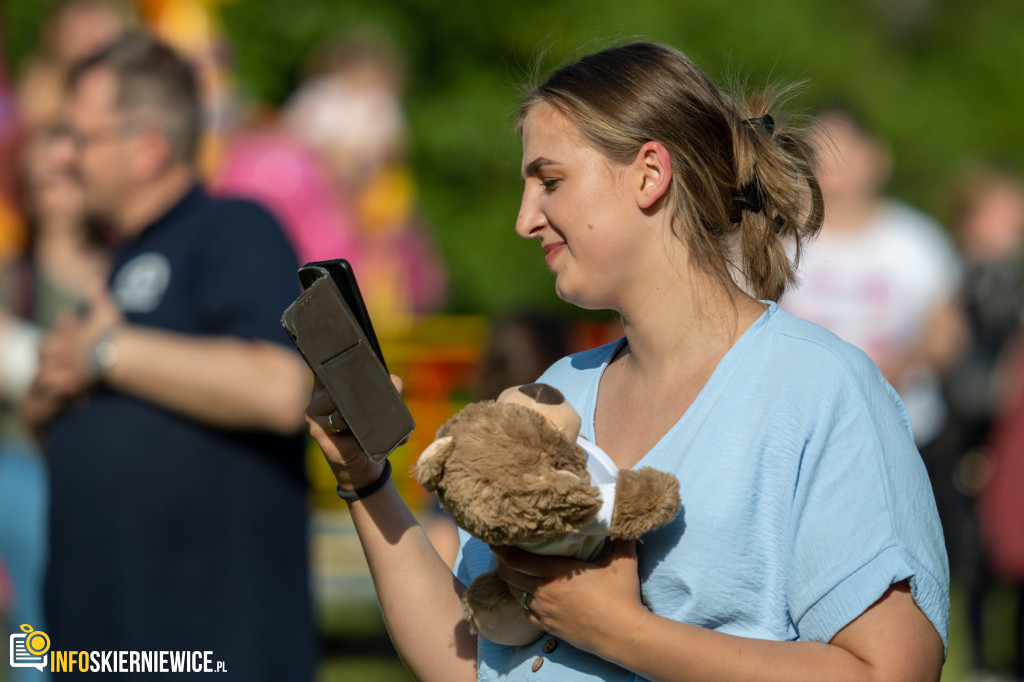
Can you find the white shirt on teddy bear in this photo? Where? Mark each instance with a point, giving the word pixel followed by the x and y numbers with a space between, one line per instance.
pixel 587 543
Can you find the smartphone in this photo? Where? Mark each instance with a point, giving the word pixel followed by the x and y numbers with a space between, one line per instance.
pixel 330 326
pixel 340 270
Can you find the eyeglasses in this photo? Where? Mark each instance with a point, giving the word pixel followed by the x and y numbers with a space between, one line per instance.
pixel 80 139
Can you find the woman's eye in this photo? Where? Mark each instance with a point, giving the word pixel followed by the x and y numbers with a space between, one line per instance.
pixel 549 185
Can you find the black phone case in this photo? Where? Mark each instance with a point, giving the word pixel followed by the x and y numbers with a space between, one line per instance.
pixel 329 325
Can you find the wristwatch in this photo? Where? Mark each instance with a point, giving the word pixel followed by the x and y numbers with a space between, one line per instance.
pixel 104 353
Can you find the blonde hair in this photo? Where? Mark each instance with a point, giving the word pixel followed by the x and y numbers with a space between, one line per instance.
pixel 742 185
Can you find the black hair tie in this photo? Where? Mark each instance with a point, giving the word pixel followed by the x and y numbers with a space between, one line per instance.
pixel 750 198
pixel 750 193
pixel 766 122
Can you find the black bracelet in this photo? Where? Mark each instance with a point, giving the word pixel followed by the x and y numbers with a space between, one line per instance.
pixel 381 481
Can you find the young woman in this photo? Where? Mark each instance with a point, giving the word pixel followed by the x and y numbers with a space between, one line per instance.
pixel 808 547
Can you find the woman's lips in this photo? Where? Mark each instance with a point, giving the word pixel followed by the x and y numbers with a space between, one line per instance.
pixel 551 252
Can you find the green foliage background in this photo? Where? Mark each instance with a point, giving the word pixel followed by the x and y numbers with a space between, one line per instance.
pixel 943 88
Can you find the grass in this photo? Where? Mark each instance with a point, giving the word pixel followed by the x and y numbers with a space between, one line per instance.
pixel 364 669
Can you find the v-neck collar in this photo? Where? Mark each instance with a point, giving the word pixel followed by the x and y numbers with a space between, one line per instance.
pixel 713 386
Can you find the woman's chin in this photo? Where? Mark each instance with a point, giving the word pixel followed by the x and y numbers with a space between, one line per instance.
pixel 578 298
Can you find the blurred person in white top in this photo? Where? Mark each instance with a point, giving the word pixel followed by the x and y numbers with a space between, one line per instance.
pixel 882 275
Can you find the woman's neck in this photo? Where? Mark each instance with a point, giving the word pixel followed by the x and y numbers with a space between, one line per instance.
pixel 678 334
pixel 675 340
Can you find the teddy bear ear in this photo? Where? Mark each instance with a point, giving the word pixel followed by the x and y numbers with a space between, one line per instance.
pixel 430 466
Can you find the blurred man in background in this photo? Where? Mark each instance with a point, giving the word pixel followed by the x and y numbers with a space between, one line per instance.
pixel 171 410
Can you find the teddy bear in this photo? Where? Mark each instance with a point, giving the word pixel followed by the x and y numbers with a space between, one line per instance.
pixel 514 471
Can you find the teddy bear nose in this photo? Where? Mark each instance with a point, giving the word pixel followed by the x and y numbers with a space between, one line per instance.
pixel 544 394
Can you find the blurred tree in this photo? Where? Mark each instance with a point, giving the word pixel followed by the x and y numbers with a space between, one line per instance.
pixel 939 80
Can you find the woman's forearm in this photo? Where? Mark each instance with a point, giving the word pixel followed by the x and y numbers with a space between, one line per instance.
pixel 419 595
pixel 891 641
pixel 660 649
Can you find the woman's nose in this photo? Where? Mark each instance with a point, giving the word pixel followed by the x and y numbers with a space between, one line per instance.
pixel 531 219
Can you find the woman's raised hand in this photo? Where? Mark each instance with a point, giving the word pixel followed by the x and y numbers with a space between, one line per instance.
pixel 350 465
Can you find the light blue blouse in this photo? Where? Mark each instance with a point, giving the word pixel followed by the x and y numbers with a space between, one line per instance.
pixel 804 499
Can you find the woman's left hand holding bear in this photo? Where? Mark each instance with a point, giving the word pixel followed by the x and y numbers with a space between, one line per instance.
pixel 584 603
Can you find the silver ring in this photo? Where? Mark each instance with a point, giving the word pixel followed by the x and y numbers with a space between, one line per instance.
pixel 522 601
pixel 330 423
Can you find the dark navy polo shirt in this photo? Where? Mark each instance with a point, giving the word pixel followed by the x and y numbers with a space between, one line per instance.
pixel 166 533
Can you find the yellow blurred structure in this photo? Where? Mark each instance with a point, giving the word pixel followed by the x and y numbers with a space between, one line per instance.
pixel 193 28
pixel 437 358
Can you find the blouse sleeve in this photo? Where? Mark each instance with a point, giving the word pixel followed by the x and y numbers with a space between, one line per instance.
pixel 863 514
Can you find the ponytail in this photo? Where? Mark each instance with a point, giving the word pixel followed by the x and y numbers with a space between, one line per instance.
pixel 777 200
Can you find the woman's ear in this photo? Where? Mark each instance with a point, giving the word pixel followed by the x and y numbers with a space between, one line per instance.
pixel 655 168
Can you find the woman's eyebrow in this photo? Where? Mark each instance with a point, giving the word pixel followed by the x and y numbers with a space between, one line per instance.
pixel 534 166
